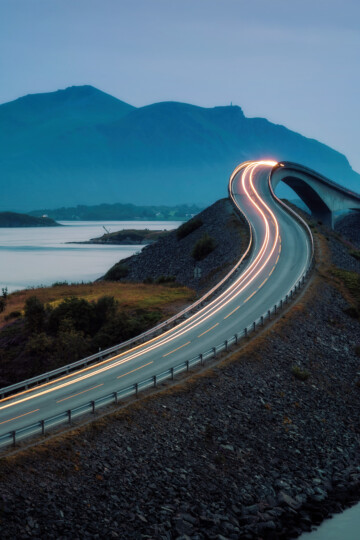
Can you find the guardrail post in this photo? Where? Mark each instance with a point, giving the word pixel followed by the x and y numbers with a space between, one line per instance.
pixel 14 437
pixel 286 299
pixel 93 407
pixel 69 415
pixel 116 397
pixel 262 320
pixel 303 280
pixel 291 293
pixel 281 304
pixel 154 381
pixel 214 351
pixel 172 373
pixel 187 366
pixel 254 326
pixel 42 427
pixel 245 332
pixel 201 359
pixel 236 339
pixel 275 308
pixel 136 389
pixel 226 345
pixel 269 314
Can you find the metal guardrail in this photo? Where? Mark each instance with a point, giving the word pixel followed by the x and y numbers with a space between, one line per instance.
pixel 141 338
pixel 42 426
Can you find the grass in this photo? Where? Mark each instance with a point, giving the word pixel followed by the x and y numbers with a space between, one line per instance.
pixel 129 295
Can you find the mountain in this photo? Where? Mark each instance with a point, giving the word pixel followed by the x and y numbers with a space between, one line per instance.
pixel 83 146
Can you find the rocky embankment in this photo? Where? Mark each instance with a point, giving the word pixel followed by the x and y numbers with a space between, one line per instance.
pixel 171 256
pixel 262 446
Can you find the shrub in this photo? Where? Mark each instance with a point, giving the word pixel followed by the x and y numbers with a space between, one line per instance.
pixel 117 272
pixel 34 314
pixel 188 227
pixel 78 314
pixel 165 279
pixel 355 253
pixel 203 247
pixel 13 315
pixel 299 373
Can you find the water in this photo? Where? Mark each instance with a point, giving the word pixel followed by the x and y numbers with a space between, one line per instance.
pixel 34 256
pixel 345 526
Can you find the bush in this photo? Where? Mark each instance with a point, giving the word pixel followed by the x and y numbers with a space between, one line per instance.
pixel 355 253
pixel 188 227
pixel 13 315
pixel 34 314
pixel 203 247
pixel 165 279
pixel 117 272
pixel 78 314
pixel 299 373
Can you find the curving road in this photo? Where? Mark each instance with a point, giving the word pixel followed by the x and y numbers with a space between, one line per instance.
pixel 281 252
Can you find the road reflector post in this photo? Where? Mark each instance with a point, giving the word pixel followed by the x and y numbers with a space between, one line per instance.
pixel 262 320
pixel 236 339
pixel 201 359
pixel 14 437
pixel 154 381
pixel 172 373
pixel 214 351
pixel 226 345
pixel 42 427
pixel 93 407
pixel 69 415
pixel 116 397
pixel 245 332
pixel 136 389
pixel 187 366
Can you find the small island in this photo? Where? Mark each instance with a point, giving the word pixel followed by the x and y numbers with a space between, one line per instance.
pixel 127 237
pixel 13 219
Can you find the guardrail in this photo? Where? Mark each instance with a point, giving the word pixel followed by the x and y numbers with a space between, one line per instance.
pixel 141 338
pixel 42 426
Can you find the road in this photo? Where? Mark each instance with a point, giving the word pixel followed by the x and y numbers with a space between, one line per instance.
pixel 280 254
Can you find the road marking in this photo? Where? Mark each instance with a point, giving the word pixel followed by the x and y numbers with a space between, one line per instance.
pixel 251 295
pixel 233 311
pixel 181 346
pixel 206 331
pixel 263 283
pixel 78 394
pixel 16 417
pixel 132 371
pixel 273 268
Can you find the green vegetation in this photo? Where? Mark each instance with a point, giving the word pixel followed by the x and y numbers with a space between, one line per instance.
pixel 129 236
pixel 117 272
pixel 299 373
pixel 349 282
pixel 54 326
pixel 120 212
pixel 355 253
pixel 12 219
pixel 187 228
pixel 203 247
pixel 3 299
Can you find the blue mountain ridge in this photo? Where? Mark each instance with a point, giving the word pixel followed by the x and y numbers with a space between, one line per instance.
pixel 83 146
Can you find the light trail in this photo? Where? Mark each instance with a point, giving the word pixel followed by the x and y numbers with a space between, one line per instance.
pixel 244 281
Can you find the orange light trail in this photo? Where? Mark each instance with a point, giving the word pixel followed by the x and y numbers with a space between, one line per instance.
pixel 246 278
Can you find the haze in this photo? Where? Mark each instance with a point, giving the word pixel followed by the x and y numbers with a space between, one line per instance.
pixel 293 62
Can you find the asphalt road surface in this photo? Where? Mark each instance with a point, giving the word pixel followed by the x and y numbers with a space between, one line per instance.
pixel 280 254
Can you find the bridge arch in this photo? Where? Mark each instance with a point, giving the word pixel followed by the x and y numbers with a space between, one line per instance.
pixel 322 196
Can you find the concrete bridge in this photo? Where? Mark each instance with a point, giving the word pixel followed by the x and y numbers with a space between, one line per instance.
pixel 322 196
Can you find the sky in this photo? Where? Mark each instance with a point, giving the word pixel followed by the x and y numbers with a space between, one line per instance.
pixel 294 62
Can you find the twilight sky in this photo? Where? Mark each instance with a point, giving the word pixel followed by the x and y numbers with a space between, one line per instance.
pixel 295 62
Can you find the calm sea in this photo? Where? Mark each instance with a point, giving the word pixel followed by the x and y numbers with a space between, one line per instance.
pixel 34 256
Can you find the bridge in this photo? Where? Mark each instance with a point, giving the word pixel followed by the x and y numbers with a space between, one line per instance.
pixel 322 196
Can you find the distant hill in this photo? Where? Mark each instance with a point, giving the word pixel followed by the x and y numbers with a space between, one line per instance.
pixel 82 146
pixel 12 219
